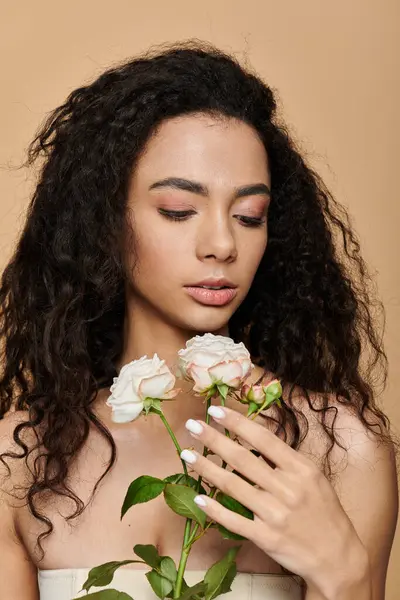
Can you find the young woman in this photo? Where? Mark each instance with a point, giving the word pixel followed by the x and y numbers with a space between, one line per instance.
pixel 168 175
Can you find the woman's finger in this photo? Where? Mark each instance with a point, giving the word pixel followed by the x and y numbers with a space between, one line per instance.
pixel 259 437
pixel 235 455
pixel 226 481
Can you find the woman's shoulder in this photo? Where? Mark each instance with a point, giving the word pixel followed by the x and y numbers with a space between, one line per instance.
pixel 323 418
pixel 13 467
pixel 8 425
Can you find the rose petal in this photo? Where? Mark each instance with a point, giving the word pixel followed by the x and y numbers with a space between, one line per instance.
pixel 201 357
pixel 156 386
pixel 246 366
pixel 127 412
pixel 123 391
pixel 200 377
pixel 172 394
pixel 229 373
pixel 245 390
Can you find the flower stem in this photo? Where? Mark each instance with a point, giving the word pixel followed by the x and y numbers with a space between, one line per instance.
pixel 193 537
pixel 176 443
pixel 183 560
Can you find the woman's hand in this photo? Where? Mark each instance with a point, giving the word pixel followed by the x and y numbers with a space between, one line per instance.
pixel 298 519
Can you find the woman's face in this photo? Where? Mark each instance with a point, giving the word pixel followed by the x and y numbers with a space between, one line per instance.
pixel 198 201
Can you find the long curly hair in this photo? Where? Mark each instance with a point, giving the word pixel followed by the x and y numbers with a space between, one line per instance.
pixel 308 315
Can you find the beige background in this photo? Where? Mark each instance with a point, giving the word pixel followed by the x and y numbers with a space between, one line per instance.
pixel 336 66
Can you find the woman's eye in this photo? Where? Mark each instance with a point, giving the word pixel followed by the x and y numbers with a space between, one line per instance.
pixel 176 215
pixel 250 221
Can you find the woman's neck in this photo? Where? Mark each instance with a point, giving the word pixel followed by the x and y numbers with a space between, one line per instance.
pixel 149 335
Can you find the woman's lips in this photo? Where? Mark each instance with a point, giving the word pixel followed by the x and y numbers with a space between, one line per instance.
pixel 212 297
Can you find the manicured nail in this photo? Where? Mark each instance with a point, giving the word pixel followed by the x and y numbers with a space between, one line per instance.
pixel 217 412
pixel 188 456
pixel 193 426
pixel 199 500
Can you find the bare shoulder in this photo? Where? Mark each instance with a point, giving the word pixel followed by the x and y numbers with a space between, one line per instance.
pixel 18 578
pixel 8 427
pixel 13 468
pixel 356 444
pixel 9 423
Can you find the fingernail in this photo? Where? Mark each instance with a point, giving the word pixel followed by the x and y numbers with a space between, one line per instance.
pixel 217 412
pixel 193 426
pixel 199 500
pixel 188 456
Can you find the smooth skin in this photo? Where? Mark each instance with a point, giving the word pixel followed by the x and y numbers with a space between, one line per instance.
pixel 211 221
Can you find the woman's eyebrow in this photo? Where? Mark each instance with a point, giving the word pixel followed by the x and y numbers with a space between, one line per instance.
pixel 202 190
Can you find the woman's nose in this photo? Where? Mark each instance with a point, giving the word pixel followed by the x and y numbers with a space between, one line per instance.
pixel 216 239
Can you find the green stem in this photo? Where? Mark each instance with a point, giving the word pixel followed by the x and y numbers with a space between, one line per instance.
pixel 177 446
pixel 196 527
pixel 183 560
pixel 262 407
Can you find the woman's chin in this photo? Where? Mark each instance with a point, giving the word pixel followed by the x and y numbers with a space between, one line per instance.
pixel 210 321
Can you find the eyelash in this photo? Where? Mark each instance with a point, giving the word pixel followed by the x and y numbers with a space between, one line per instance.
pixel 178 215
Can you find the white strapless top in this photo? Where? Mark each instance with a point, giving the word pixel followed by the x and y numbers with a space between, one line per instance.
pixel 66 584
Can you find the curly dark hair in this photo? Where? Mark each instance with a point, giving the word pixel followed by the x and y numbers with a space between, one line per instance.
pixel 308 316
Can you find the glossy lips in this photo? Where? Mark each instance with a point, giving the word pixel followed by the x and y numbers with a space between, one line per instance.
pixel 212 297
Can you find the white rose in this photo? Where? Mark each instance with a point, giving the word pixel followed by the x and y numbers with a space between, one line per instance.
pixel 209 359
pixel 138 380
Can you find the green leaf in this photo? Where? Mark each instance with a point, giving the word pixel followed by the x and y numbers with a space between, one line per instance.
pixel 229 535
pixel 106 595
pixel 103 574
pixel 168 569
pixel 182 479
pixel 253 407
pixel 192 592
pixel 143 489
pixel 149 554
pixel 220 575
pixel 223 390
pixel 161 586
pixel 164 565
pixel 181 500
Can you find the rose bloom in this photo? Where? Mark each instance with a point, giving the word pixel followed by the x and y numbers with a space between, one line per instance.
pixel 209 358
pixel 253 393
pixel 138 380
pixel 257 393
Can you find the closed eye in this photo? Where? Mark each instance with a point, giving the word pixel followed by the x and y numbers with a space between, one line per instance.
pixel 250 221
pixel 176 215
pixel 182 215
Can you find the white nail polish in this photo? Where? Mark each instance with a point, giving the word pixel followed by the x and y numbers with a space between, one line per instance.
pixel 216 411
pixel 188 456
pixel 200 501
pixel 193 426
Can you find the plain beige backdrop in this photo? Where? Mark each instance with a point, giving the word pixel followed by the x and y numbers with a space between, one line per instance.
pixel 336 66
